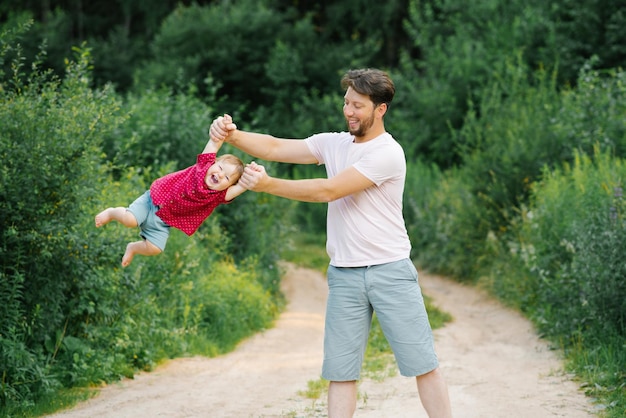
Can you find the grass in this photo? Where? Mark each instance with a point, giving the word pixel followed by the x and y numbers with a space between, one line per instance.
pixel 602 378
pixel 308 250
pixel 59 400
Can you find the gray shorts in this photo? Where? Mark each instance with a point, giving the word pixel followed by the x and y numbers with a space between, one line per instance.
pixel 393 292
pixel 151 227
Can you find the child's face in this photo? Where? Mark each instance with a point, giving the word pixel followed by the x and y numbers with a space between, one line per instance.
pixel 220 176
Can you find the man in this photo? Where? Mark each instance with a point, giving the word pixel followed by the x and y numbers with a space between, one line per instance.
pixel 369 248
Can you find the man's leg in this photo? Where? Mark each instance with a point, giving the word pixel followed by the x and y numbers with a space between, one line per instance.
pixel 341 399
pixel 433 393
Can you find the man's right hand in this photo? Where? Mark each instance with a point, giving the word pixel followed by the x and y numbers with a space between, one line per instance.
pixel 254 177
pixel 221 128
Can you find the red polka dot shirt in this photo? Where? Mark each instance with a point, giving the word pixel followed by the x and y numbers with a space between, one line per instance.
pixel 183 197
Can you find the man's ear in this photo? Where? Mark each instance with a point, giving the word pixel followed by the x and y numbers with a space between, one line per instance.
pixel 381 109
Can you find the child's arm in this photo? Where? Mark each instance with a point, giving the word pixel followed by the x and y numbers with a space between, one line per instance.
pixel 234 191
pixel 212 146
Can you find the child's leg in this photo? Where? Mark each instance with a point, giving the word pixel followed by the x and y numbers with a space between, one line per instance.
pixel 120 214
pixel 144 247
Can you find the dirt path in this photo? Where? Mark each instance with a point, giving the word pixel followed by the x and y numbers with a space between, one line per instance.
pixel 493 362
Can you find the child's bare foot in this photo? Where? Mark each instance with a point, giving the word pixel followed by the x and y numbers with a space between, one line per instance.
pixel 128 255
pixel 104 217
pixel 139 247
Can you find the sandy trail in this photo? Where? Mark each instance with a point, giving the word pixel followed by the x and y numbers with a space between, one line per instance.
pixel 494 364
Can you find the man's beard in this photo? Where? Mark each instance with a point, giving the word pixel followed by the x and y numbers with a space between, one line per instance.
pixel 364 126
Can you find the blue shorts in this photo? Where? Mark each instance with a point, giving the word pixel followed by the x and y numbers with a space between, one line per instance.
pixel 393 292
pixel 151 227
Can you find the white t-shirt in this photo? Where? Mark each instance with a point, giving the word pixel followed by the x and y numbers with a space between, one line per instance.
pixel 365 228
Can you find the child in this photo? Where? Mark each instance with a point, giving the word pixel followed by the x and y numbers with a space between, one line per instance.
pixel 183 199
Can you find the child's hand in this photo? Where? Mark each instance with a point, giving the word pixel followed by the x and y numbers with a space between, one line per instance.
pixel 217 141
pixel 253 165
pixel 222 127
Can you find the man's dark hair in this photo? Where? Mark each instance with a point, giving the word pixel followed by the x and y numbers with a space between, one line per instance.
pixel 371 82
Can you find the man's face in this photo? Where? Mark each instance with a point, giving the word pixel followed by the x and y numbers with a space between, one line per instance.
pixel 358 110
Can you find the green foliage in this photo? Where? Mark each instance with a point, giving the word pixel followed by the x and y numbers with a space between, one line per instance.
pixel 600 365
pixel 505 147
pixel 522 128
pixel 164 127
pixel 568 251
pixel 263 54
pixel 49 148
pixel 231 40
pixel 71 315
pixel 459 46
pixel 443 221
pixel 233 308
pixel 571 243
pixel 587 28
pixel 592 115
pixel 307 250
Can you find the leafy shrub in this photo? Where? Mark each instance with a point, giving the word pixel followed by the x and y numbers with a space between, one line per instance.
pixel 164 127
pixel 49 148
pixel 233 305
pixel 508 138
pixel 523 128
pixel 583 29
pixel 571 241
pixel 442 221
pixel 565 269
pixel 459 45
pixel 225 39
pixel 71 315
pixel 592 115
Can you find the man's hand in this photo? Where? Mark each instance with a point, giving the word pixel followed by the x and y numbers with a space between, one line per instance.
pixel 221 128
pixel 254 177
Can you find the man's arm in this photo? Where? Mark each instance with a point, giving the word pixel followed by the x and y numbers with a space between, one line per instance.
pixel 266 147
pixel 348 182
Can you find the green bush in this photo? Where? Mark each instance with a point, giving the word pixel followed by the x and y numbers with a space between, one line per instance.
pixel 49 148
pixel 523 128
pixel 508 138
pixel 233 305
pixel 459 47
pixel 71 315
pixel 164 127
pixel 571 241
pixel 230 40
pixel 442 219
pixel 566 269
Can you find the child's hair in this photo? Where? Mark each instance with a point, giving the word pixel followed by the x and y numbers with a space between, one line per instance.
pixel 234 160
